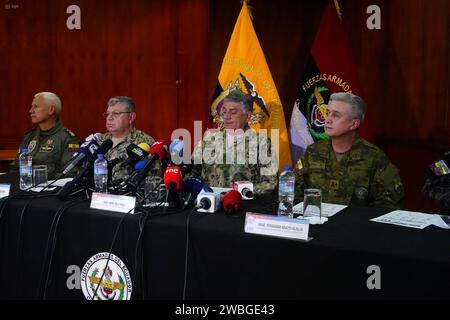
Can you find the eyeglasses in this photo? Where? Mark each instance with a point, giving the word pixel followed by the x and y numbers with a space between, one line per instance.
pixel 114 114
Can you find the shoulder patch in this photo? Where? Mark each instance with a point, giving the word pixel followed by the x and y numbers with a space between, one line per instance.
pixel 299 165
pixel 70 132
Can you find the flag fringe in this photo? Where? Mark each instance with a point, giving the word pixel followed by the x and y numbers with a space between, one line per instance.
pixel 338 9
pixel 249 8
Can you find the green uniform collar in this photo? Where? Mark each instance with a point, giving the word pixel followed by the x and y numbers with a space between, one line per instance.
pixel 129 138
pixel 57 127
pixel 354 153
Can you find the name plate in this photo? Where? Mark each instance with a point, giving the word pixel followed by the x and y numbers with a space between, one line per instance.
pixel 111 202
pixel 4 190
pixel 276 226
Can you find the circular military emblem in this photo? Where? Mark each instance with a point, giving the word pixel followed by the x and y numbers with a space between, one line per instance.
pixel 317 111
pixel 31 146
pixel 106 280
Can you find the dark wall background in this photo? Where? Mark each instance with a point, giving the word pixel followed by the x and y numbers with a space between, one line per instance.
pixel 167 55
pixel 148 50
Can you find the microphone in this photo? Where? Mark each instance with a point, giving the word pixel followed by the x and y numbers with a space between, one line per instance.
pixel 208 202
pixel 69 186
pixel 136 153
pixel 140 165
pixel 173 182
pixel 192 187
pixel 112 163
pixel 159 151
pixel 232 201
pixel 173 178
pixel 360 196
pixel 176 151
pixel 87 150
pixel 245 188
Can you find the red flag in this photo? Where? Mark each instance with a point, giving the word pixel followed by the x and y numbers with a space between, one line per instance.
pixel 329 69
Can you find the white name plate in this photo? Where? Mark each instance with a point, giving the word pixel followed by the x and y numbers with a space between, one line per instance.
pixel 276 226
pixel 4 190
pixel 111 202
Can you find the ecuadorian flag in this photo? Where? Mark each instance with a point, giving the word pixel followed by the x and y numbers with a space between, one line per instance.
pixel 244 67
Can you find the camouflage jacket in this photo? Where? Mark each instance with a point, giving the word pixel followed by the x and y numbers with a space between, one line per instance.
pixel 135 136
pixel 364 166
pixel 49 148
pixel 248 158
pixel 437 188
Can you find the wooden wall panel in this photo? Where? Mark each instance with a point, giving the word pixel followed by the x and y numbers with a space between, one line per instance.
pixel 193 63
pixel 404 67
pixel 128 48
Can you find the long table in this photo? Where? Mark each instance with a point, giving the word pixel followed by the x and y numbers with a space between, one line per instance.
pixel 223 262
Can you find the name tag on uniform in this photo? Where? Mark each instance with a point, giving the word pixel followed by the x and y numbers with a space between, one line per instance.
pixel 276 226
pixel 111 202
pixel 4 190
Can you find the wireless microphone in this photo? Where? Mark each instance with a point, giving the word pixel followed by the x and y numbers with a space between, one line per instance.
pixel 68 187
pixel 245 188
pixel 158 150
pixel 208 202
pixel 232 201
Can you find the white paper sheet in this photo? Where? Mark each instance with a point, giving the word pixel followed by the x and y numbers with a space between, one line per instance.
pixel 412 219
pixel 328 209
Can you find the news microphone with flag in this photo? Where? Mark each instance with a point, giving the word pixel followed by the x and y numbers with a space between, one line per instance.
pixel 245 188
pixel 69 186
pixel 136 153
pixel 158 151
pixel 87 150
pixel 232 201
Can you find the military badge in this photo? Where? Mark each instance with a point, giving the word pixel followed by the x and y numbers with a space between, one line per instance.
pixel 106 282
pixel 32 145
pixel 47 148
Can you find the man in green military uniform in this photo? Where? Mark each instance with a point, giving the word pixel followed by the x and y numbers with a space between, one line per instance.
pixel 49 143
pixel 120 118
pixel 237 153
pixel 348 169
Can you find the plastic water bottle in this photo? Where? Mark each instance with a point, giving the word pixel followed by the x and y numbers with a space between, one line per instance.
pixel 25 169
pixel 286 187
pixel 101 174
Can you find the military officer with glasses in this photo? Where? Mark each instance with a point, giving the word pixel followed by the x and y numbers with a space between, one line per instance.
pixel 120 117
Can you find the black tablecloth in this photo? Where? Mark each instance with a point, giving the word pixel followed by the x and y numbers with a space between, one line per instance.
pixel 224 262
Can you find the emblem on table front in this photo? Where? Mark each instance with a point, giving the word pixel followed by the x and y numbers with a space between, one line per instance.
pixel 106 282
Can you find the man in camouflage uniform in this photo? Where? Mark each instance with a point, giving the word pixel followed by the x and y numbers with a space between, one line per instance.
pixel 437 186
pixel 237 153
pixel 120 118
pixel 49 143
pixel 348 169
